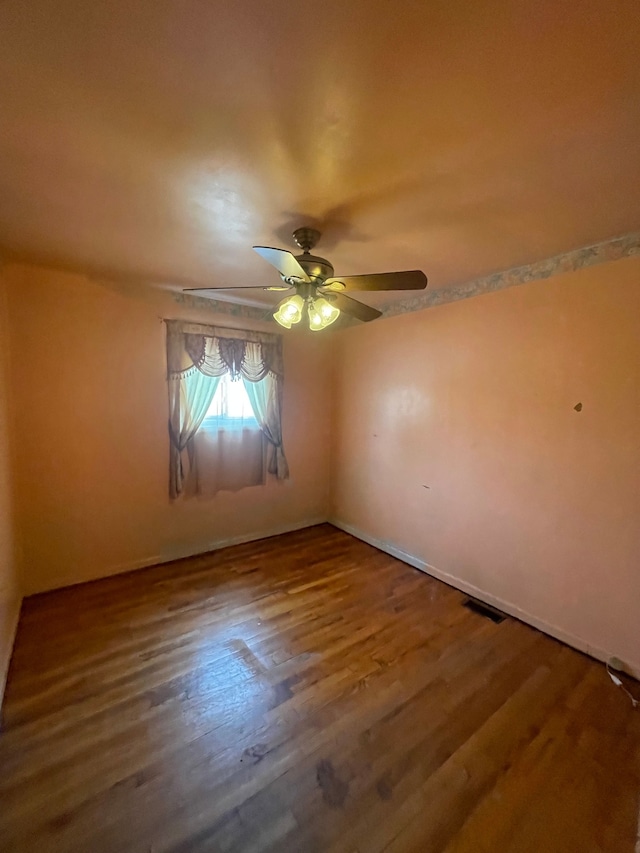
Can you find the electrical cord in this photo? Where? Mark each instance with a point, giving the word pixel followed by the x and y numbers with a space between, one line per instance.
pixel 618 682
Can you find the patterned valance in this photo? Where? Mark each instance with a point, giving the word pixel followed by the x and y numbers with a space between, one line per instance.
pixel 215 350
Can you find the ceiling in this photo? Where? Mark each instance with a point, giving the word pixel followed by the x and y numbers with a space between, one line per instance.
pixel 157 141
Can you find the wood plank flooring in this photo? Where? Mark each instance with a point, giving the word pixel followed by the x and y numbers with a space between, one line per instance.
pixel 305 693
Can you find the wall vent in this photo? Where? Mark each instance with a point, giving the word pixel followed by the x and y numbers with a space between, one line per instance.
pixel 483 609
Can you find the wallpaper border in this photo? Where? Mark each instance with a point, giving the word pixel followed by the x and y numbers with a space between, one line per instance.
pixel 599 253
pixel 219 306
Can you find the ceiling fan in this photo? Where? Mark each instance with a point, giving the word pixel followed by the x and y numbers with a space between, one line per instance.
pixel 318 293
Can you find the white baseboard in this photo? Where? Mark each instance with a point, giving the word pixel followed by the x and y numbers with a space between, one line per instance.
pixel 4 664
pixel 180 552
pixel 217 544
pixel 633 668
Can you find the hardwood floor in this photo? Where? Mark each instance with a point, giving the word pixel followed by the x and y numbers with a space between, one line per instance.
pixel 305 693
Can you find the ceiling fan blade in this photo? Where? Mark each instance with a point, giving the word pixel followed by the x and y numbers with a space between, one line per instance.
pixel 354 308
pixel 283 261
pixel 407 280
pixel 239 287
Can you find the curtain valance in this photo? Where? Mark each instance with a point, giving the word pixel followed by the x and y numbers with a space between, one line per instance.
pixel 214 350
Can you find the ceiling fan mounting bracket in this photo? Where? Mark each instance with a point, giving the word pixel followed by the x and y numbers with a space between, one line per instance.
pixel 306 238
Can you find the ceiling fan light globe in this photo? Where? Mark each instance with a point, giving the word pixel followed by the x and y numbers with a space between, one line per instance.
pixel 315 319
pixel 327 310
pixel 282 320
pixel 294 306
pixel 289 311
pixel 322 314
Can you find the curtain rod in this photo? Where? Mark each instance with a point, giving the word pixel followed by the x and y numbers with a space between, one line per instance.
pixel 218 327
pixel 194 322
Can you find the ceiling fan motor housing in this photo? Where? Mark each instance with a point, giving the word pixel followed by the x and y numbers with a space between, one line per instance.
pixel 318 269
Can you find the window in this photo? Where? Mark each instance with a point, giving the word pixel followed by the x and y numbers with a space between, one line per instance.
pixel 228 451
pixel 230 407
pixel 223 434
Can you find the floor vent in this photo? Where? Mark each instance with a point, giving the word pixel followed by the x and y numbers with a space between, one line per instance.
pixel 483 609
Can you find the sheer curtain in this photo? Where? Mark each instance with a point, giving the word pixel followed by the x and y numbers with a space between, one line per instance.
pixel 229 449
pixel 223 459
pixel 197 356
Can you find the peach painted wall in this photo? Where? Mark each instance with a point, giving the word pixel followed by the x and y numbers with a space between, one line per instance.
pixel 91 453
pixel 9 588
pixel 457 442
